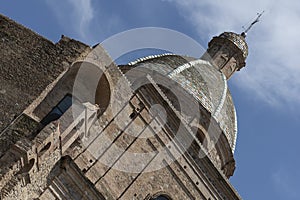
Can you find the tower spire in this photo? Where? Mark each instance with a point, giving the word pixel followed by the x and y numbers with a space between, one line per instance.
pixel 244 34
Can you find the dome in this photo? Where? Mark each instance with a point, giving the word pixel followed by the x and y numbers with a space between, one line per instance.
pixel 204 82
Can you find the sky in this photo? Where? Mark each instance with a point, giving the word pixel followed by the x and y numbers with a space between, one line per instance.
pixel 266 92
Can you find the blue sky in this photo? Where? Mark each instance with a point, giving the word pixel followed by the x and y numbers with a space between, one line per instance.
pixel 266 93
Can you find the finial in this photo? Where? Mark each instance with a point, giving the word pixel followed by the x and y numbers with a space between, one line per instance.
pixel 254 22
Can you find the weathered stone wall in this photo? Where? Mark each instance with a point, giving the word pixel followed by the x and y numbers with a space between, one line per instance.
pixel 21 127
pixel 29 63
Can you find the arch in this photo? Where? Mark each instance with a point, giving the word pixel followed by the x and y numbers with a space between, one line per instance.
pixel 161 196
pixel 103 94
pixel 92 83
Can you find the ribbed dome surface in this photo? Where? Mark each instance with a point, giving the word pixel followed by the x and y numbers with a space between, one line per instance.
pixel 204 82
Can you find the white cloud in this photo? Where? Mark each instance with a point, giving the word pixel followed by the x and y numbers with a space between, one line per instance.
pixel 286 184
pixel 74 15
pixel 272 70
pixel 84 13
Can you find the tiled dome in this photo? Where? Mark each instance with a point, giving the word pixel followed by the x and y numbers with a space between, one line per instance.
pixel 204 82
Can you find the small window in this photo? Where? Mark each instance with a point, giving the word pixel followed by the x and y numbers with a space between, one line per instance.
pixel 27 167
pixel 162 197
pixel 45 149
pixel 58 110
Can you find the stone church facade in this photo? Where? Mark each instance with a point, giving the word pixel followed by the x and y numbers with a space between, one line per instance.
pixel 74 125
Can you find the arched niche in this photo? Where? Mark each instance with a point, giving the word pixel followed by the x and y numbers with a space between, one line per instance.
pixel 84 82
pixel 92 84
pixel 161 196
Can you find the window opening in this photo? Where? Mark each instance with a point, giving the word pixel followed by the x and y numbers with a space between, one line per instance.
pixel 58 110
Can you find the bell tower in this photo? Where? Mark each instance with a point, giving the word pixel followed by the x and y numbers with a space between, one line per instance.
pixel 227 52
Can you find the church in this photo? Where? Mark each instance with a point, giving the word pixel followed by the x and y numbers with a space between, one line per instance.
pixel 74 125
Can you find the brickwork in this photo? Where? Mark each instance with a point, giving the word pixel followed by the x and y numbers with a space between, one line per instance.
pixel 29 63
